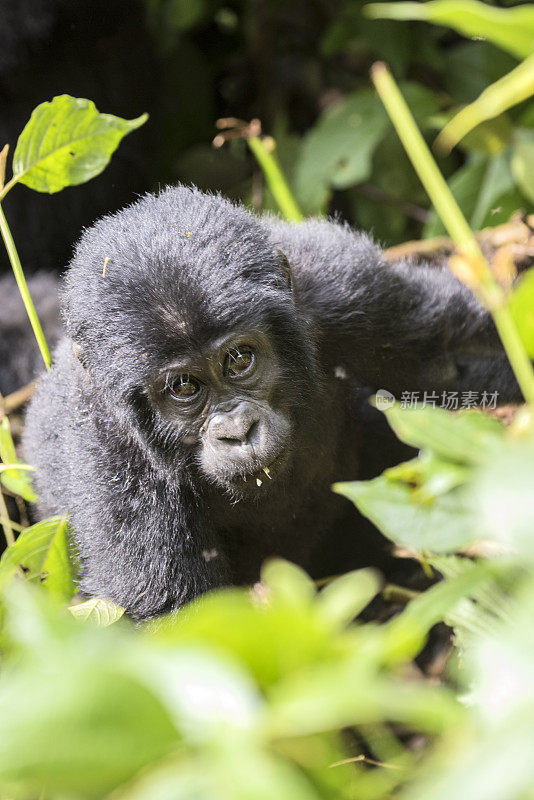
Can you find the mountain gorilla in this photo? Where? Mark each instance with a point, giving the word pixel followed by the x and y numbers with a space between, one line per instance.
pixel 208 391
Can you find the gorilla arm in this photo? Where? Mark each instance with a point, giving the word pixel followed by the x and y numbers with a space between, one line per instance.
pixel 400 327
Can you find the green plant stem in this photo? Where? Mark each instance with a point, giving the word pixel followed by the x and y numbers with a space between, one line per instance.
pixel 23 288
pixel 447 208
pixel 6 522
pixel 275 180
pixel 515 350
pixel 9 185
pixel 422 160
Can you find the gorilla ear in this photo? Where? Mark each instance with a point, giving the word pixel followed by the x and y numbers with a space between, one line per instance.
pixel 285 268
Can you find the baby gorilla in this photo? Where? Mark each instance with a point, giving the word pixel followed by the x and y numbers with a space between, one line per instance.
pixel 208 391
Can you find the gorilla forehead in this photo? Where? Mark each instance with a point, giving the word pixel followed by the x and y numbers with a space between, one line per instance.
pixel 187 238
pixel 177 268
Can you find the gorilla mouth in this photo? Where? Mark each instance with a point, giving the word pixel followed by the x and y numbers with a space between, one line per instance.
pixel 258 477
pixel 263 472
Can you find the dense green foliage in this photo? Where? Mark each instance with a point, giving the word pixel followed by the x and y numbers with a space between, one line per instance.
pixel 302 68
pixel 284 691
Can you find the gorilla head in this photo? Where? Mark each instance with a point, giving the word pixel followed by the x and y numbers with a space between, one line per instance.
pixel 182 313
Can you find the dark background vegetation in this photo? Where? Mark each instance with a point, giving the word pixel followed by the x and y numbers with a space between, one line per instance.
pixel 188 62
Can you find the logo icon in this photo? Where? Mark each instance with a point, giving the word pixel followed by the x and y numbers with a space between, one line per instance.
pixel 384 400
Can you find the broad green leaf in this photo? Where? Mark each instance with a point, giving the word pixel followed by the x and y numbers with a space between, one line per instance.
pixel 505 500
pixel 235 770
pixel 485 191
pixel 67 142
pixel 77 726
pixel 34 548
pixel 429 475
pixel 407 632
pixel 337 151
pixel 60 568
pixel 17 481
pixel 287 582
pixel 345 597
pixel 270 639
pixel 101 612
pixel 523 159
pixel 472 66
pixel 522 308
pixel 342 694
pixel 206 695
pixel 508 91
pixel 466 437
pixel 509 28
pixel 443 525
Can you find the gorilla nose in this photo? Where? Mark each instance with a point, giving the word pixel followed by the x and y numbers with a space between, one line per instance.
pixel 236 427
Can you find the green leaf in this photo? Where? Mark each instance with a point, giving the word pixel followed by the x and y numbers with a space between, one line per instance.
pixel 78 730
pixel 485 191
pixel 523 160
pixel 40 549
pixel 287 582
pixel 343 694
pixel 473 65
pixel 237 770
pixel 205 695
pixel 509 28
pixel 522 308
pixel 59 571
pixel 337 151
pixel 270 638
pixel 467 437
pixel 440 602
pixel 97 610
pixel 345 597
pixel 508 91
pixel 505 501
pixel 429 475
pixel 442 525
pixel 17 481
pixel 67 142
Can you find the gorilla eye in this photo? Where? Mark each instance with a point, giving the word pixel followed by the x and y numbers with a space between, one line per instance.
pixel 184 386
pixel 238 361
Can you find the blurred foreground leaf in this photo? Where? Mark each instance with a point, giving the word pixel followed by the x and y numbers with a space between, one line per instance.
pixel 508 91
pixel 101 612
pixel 444 524
pixel 522 308
pixel 18 482
pixel 466 437
pixel 42 553
pixel 509 28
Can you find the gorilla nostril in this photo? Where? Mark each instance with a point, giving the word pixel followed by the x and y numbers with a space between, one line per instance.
pixel 240 437
pixel 251 433
pixel 229 441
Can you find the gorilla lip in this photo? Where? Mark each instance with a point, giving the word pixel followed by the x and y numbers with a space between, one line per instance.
pixel 260 474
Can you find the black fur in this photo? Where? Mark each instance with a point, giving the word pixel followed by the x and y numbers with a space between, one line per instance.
pixel 158 517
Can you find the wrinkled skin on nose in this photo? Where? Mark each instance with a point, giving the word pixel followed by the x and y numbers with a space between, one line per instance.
pixel 239 427
pixel 243 440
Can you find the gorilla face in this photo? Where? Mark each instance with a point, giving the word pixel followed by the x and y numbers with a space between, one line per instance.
pixel 196 343
pixel 224 402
